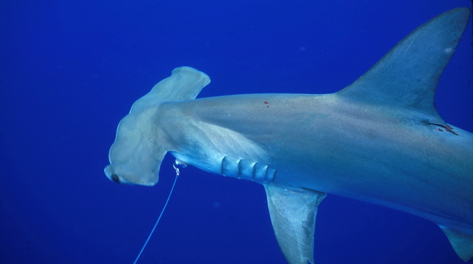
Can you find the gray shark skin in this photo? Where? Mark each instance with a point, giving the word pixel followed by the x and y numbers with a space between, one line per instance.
pixel 379 140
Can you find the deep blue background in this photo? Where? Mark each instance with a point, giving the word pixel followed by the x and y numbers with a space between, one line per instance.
pixel 70 70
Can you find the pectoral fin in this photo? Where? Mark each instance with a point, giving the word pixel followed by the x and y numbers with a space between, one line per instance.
pixel 293 212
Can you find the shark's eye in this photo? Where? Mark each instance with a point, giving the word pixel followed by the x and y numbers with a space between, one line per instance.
pixel 115 178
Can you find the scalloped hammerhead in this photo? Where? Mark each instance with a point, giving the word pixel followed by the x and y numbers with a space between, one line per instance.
pixel 379 140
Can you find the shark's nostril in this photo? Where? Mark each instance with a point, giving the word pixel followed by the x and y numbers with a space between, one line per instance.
pixel 115 178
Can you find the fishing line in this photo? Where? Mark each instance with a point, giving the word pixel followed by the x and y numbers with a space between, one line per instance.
pixel 176 166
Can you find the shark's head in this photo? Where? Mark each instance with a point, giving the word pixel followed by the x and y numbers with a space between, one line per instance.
pixel 135 156
pixel 139 148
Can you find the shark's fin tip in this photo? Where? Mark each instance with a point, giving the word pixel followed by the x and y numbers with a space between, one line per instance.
pixel 462 243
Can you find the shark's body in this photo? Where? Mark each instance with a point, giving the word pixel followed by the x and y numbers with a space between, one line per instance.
pixel 379 140
pixel 382 151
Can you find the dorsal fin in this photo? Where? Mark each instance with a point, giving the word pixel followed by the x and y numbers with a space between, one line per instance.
pixel 408 74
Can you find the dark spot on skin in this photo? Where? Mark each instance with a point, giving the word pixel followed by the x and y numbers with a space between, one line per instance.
pixel 444 126
pixel 115 178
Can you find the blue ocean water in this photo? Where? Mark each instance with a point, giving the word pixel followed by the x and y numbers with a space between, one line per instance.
pixel 70 70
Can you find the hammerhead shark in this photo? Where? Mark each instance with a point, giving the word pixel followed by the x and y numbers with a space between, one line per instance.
pixel 379 140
